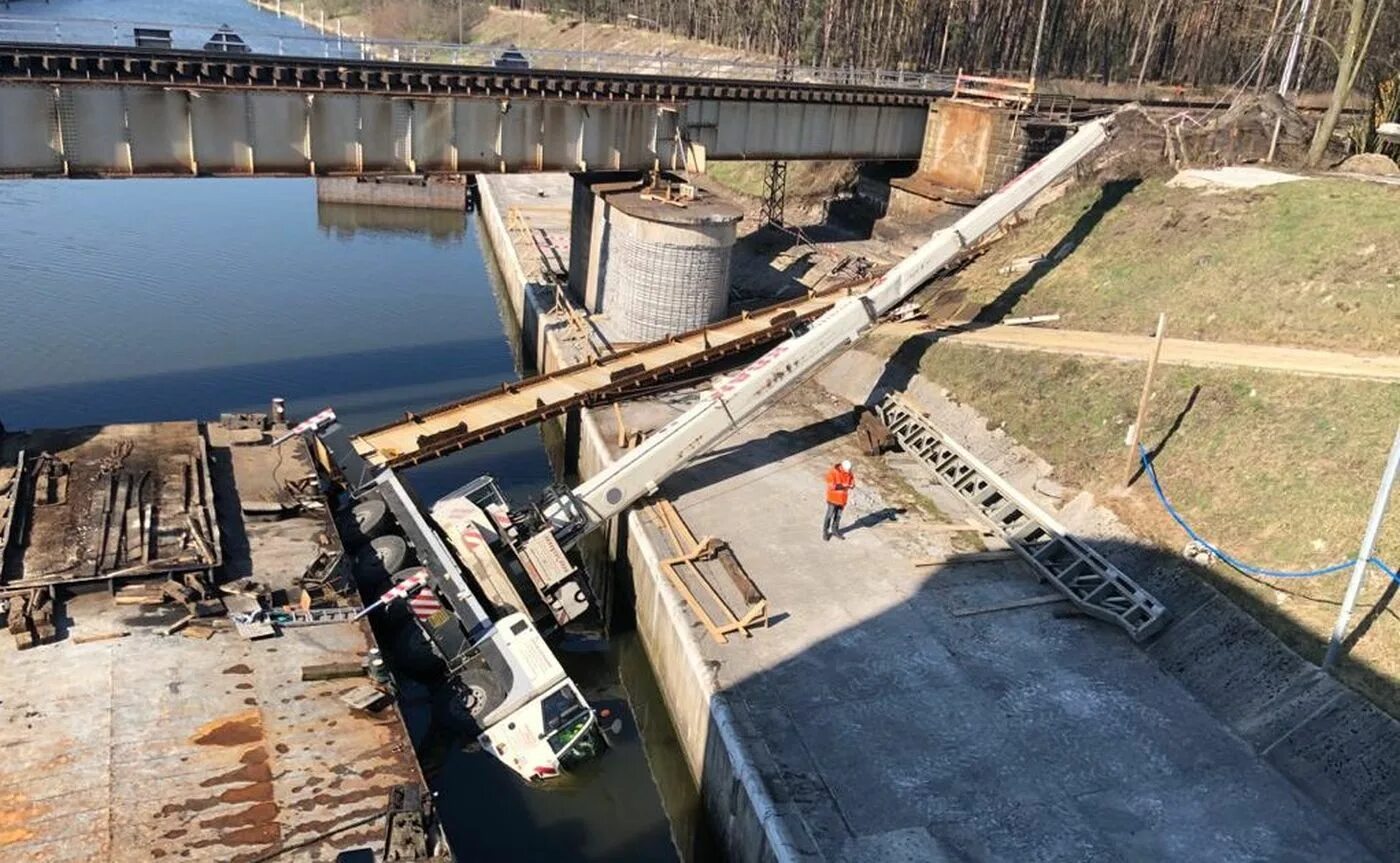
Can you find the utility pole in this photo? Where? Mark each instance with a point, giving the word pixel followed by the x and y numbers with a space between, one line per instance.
pixel 459 22
pixel 1363 557
pixel 1135 433
pixel 1287 80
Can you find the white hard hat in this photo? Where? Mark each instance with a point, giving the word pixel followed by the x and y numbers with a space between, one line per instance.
pixel 846 464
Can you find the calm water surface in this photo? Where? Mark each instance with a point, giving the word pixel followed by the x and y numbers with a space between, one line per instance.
pixel 141 300
pixel 138 300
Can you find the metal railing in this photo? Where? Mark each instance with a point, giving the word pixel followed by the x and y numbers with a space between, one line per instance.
pixel 311 41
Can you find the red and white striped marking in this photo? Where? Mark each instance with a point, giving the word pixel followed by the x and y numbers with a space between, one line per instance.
pixel 405 587
pixel 471 537
pixel 424 605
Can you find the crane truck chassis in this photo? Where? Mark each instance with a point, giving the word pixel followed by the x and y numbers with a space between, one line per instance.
pixel 502 577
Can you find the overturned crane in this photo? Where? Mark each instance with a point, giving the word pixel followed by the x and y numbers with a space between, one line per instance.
pixel 495 577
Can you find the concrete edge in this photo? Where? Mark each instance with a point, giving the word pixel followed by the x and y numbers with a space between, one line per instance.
pixel 708 717
pixel 779 842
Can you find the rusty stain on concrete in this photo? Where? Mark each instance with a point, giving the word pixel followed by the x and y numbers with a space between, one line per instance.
pixel 241 728
pixel 16 811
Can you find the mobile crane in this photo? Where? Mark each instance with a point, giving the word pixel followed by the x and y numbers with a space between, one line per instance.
pixel 494 579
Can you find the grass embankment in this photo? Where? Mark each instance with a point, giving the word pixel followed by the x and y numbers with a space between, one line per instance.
pixel 1277 469
pixel 1314 264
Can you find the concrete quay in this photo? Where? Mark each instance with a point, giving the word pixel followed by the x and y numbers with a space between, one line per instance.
pixel 876 719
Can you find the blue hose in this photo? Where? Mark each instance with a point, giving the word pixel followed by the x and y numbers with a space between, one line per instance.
pixel 1234 562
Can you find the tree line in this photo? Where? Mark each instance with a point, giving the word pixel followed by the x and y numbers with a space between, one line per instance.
pixel 1188 42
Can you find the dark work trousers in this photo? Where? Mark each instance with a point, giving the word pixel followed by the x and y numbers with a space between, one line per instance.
pixel 832 525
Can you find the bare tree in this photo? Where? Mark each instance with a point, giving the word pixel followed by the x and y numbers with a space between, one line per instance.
pixel 1350 61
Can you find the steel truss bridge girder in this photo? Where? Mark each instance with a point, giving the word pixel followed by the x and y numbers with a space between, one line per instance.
pixel 1094 585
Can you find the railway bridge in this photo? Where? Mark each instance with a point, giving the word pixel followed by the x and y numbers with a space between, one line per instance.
pixel 98 111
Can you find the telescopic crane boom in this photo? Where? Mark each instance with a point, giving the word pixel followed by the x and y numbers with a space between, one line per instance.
pixel 739 396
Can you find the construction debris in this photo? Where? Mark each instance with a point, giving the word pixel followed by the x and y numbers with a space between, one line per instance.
pixel 692 552
pixel 1007 606
pixel 31 617
pixel 367 698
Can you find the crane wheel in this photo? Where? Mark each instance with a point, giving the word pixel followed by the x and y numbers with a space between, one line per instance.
pixel 370 518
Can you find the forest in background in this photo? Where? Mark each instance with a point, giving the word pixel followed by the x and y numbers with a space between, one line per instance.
pixel 1229 44
pixel 1188 42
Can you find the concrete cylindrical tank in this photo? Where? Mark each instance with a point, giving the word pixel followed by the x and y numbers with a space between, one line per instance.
pixel 667 266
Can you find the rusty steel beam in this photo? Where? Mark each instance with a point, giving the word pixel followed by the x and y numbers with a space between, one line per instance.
pixel 422 437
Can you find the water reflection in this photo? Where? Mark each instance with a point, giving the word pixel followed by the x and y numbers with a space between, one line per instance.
pixel 343 221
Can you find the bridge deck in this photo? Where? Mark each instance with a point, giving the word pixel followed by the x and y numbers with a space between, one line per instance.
pixel 120 65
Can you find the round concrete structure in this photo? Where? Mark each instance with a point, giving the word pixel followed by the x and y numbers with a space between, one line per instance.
pixel 667 268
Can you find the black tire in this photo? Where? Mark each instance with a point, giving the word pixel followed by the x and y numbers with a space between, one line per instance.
pixel 392 552
pixel 478 692
pixel 369 519
pixel 414 657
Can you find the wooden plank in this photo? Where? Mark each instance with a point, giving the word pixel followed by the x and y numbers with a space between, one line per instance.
pixel 100 636
pixel 970 557
pixel 332 671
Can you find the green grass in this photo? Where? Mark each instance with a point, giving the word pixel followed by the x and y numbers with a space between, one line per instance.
pixel 1279 470
pixel 1312 264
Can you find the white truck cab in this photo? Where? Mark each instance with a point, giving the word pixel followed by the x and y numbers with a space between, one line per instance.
pixel 544 724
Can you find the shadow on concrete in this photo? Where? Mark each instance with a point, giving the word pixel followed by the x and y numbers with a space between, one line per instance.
pixel 1030 733
pixel 874 518
pixel 721 464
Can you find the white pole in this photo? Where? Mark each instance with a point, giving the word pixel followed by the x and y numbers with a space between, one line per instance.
pixel 1368 544
pixel 1039 32
pixel 1292 61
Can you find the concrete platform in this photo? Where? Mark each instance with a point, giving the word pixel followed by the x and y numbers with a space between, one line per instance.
pixel 881 725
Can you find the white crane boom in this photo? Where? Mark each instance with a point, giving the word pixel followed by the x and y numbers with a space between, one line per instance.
pixel 739 396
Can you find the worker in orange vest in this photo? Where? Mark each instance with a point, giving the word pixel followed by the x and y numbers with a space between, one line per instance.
pixel 839 482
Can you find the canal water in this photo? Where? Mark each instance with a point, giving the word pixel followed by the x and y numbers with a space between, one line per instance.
pixel 145 300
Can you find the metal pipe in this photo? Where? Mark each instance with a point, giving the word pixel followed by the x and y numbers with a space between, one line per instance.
pixel 1363 557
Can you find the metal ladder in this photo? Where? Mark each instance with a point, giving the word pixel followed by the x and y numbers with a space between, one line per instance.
pixel 314 616
pixel 1093 584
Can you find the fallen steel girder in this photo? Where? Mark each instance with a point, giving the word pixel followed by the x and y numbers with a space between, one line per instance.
pixel 1096 586
pixel 422 437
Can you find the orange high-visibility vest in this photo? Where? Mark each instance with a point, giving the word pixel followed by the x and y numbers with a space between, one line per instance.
pixel 838 483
